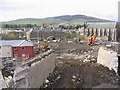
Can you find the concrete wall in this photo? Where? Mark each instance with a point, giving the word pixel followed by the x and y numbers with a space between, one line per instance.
pixel 40 71
pixel 108 57
pixel 2 81
pixel 33 76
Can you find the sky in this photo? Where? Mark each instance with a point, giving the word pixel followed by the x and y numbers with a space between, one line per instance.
pixel 19 9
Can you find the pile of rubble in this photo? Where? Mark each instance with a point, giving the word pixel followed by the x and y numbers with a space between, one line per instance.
pixel 83 55
pixel 77 68
pixel 18 77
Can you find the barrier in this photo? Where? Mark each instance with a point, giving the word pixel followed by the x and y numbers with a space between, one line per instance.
pixel 108 58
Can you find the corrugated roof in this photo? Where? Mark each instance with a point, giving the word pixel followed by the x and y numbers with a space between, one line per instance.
pixel 16 43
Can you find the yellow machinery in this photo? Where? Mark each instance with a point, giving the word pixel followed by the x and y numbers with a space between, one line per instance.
pixel 38 44
pixel 43 45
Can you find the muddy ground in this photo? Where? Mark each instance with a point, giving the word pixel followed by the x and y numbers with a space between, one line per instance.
pixel 80 72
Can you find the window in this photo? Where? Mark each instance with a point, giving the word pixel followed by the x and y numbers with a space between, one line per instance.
pixel 23 55
pixel 15 54
pixel 15 48
pixel 23 48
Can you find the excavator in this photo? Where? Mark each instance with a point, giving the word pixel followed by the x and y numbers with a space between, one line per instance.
pixel 91 40
pixel 44 45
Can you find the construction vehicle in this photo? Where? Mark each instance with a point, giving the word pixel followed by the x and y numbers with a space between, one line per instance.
pixel 42 45
pixel 91 40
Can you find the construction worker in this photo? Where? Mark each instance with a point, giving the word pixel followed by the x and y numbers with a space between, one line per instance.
pixel 90 40
pixel 38 43
pixel 94 38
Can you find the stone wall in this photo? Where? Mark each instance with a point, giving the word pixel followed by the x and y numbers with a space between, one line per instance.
pixel 2 82
pixel 108 58
pixel 33 76
pixel 40 71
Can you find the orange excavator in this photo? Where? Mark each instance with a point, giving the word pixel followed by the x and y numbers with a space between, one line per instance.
pixel 91 40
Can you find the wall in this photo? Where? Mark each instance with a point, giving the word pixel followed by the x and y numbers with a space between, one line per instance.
pixel 6 51
pixel 27 50
pixel 34 76
pixel 108 57
pixel 2 82
pixel 39 72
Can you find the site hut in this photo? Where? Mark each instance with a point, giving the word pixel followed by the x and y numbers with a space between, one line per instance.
pixel 103 30
pixel 21 49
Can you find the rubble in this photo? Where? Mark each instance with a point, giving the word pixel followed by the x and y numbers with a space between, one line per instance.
pixel 77 68
pixel 46 81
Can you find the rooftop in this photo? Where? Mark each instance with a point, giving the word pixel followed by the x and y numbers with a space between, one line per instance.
pixel 102 25
pixel 15 43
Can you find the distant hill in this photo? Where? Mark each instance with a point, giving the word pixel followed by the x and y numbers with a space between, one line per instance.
pixel 71 19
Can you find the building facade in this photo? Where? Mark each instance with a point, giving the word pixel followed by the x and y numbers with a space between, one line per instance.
pixel 16 49
pixel 5 51
pixel 103 30
pixel 23 52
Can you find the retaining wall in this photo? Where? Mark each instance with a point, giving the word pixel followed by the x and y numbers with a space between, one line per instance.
pixel 33 76
pixel 2 81
pixel 108 57
pixel 40 71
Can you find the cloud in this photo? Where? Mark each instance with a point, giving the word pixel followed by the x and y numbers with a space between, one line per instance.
pixel 14 9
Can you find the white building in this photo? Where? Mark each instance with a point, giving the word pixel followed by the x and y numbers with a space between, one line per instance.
pixel 5 51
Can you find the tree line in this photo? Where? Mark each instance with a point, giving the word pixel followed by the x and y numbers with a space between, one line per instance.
pixel 15 26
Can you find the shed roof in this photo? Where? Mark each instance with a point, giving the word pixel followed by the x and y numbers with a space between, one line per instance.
pixel 16 43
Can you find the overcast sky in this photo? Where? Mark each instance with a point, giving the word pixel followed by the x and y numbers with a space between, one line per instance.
pixel 17 9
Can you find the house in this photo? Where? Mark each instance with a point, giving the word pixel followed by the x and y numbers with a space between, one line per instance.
pixel 20 48
pixel 5 51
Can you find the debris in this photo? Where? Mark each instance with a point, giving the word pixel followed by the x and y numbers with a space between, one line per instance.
pixel 46 81
pixel 73 80
pixel 58 77
pixel 73 77
pixel 88 56
pixel 108 46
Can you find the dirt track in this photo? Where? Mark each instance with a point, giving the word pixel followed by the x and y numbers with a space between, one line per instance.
pixel 77 73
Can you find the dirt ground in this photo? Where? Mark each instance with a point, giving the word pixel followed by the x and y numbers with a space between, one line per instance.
pixel 80 72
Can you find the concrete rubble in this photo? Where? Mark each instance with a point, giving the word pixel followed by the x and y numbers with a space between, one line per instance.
pixel 20 78
pixel 78 68
pixel 85 57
